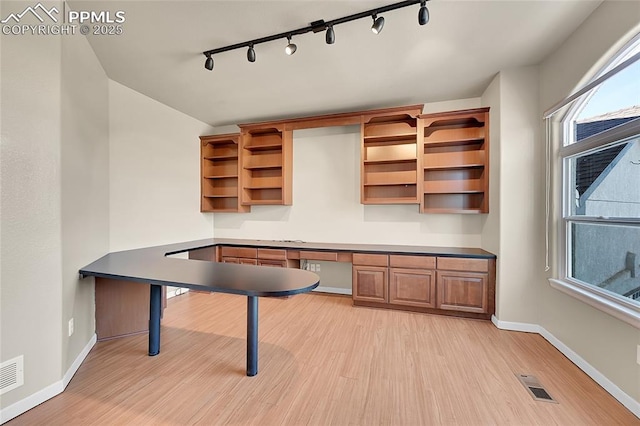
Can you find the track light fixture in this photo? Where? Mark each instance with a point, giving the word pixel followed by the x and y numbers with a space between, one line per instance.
pixel 378 24
pixel 423 13
pixel 291 47
pixel 330 37
pixel 319 26
pixel 208 63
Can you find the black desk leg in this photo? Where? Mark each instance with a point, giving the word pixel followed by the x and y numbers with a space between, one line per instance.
pixel 252 336
pixel 155 308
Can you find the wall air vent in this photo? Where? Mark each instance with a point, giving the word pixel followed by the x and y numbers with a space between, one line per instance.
pixel 11 374
pixel 535 389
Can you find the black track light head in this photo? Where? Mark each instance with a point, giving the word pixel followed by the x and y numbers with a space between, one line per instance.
pixel 291 47
pixel 251 54
pixel 378 24
pixel 330 36
pixel 208 63
pixel 423 13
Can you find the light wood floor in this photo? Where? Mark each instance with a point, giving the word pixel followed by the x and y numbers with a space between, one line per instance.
pixel 322 361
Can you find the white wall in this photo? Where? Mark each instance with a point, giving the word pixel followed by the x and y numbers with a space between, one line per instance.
pixel 606 343
pixel 154 172
pixel 491 228
pixel 521 194
pixel 85 187
pixel 31 285
pixel 326 200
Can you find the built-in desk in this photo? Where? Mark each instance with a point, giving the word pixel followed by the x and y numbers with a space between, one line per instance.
pixel 130 274
pixel 440 280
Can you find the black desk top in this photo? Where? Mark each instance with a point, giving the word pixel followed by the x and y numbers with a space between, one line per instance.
pixel 151 266
pixel 475 253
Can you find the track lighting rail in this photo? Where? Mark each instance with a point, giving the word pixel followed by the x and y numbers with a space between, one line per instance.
pixel 319 26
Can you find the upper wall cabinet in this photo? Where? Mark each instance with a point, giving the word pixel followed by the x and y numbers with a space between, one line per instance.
pixel 455 161
pixel 389 157
pixel 219 183
pixel 267 165
pixel 437 161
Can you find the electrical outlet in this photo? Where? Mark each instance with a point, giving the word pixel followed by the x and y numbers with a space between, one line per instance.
pixel 638 355
pixel 313 267
pixel 70 327
pixel 317 267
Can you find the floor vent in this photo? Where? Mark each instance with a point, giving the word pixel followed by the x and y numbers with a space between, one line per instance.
pixel 11 374
pixel 535 389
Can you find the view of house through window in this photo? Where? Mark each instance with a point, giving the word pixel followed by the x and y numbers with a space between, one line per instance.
pixel 602 185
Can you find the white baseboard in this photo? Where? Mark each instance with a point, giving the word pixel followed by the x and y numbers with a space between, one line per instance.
pixel 581 363
pixel 334 290
pixel 26 404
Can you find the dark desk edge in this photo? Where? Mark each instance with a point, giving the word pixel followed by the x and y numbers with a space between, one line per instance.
pixel 464 252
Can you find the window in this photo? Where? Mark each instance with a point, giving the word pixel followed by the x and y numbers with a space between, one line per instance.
pixel 600 223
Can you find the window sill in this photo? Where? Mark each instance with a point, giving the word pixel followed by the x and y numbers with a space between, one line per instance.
pixel 622 310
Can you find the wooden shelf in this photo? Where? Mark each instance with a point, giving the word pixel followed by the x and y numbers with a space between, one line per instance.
pixel 221 177
pixel 455 142
pixel 222 157
pixel 389 158
pixel 390 161
pixel 398 138
pixel 266 165
pixel 219 182
pixel 400 177
pixel 455 161
pixel 264 147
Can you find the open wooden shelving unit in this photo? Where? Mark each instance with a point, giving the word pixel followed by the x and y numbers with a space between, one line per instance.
pixel 220 180
pixel 389 157
pixel 267 160
pixel 455 161
pixel 438 161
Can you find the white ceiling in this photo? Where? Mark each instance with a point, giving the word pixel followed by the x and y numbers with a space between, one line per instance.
pixel 454 56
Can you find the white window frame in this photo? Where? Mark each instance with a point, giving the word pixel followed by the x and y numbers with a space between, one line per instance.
pixel 616 305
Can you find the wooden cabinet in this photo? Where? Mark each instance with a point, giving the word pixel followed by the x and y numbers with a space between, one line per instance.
pixel 242 255
pixel 412 281
pixel 455 161
pixel 220 180
pixel 438 161
pixel 389 280
pixel 442 285
pixel 370 277
pixel 258 256
pixel 389 157
pixel 463 285
pixel 370 283
pixel 462 291
pixel 267 161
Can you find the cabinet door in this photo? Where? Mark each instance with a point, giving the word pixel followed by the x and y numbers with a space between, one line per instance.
pixel 274 263
pixel 370 283
pixel 463 291
pixel 412 287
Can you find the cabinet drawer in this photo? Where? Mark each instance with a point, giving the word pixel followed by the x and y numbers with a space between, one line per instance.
pixel 276 254
pixel 239 252
pixel 370 259
pixel 418 262
pixel 319 255
pixel 463 264
pixel 274 263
